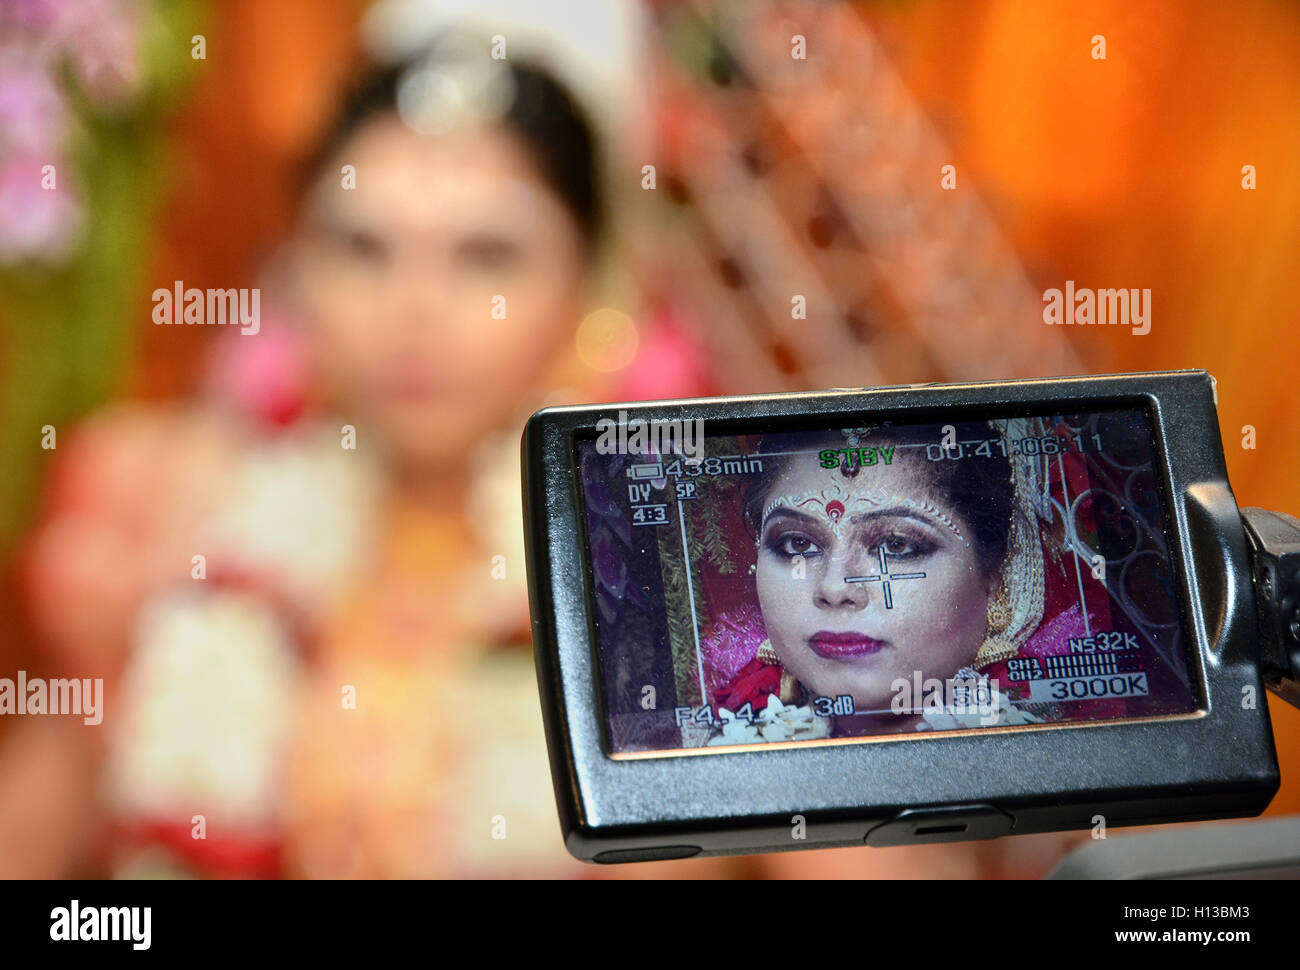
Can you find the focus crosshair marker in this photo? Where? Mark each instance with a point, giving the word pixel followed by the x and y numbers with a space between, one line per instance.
pixel 885 579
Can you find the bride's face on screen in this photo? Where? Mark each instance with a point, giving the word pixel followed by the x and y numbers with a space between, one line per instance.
pixel 865 579
pixel 401 275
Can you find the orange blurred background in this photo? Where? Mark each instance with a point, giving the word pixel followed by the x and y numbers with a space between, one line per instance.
pixel 1123 172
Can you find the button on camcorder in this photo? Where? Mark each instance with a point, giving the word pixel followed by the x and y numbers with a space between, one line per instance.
pixel 958 823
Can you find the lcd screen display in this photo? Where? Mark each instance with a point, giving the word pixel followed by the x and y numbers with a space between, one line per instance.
pixel 757 586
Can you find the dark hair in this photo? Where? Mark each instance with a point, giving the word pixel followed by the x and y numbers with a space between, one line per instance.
pixel 542 114
pixel 979 487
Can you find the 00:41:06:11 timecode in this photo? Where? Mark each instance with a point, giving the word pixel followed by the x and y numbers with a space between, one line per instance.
pixel 1048 444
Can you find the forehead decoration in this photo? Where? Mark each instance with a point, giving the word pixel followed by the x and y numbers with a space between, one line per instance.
pixel 833 504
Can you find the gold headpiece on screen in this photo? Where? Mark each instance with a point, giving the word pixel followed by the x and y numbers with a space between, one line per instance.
pixel 1016 609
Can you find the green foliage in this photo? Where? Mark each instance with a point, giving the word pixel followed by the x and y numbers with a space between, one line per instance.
pixel 66 330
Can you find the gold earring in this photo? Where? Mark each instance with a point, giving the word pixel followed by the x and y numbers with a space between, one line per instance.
pixel 999 611
pixel 996 647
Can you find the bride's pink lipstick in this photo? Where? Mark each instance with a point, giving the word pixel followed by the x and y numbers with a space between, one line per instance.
pixel 836 646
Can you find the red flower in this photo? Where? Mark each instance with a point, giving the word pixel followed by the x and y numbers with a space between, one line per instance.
pixel 752 685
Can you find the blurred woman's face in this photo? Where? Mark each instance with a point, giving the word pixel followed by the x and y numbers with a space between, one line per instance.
pixel 439 288
pixel 836 621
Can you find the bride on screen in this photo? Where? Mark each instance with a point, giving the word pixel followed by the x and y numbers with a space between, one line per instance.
pixel 893 584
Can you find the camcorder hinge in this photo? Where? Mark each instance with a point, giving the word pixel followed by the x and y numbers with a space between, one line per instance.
pixel 1274 539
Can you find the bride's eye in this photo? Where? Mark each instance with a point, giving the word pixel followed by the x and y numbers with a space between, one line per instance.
pixel 899 545
pixel 791 544
pixel 359 244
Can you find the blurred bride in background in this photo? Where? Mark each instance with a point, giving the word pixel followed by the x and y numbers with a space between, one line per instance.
pixel 306 594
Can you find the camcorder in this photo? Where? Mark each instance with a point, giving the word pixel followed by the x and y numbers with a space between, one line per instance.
pixel 895 615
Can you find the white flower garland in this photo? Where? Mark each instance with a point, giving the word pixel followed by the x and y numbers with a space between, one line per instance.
pixel 786 722
pixel 776 722
pixel 997 710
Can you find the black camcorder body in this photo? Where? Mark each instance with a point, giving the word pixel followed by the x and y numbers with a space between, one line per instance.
pixel 903 614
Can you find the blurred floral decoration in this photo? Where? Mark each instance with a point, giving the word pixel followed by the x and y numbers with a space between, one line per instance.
pixel 818 179
pixel 85 89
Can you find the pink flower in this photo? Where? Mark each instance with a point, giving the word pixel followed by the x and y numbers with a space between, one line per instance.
pixel 35 221
pixel 100 38
pixel 263 375
pixel 668 364
pixel 32 112
pixel 34 17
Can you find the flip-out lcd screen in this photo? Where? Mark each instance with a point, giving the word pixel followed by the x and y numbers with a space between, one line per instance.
pixel 772 586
